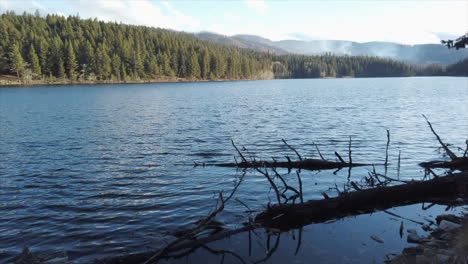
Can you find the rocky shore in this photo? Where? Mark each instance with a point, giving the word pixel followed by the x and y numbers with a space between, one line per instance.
pixel 447 243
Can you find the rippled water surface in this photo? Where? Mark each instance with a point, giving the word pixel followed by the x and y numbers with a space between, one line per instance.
pixel 101 170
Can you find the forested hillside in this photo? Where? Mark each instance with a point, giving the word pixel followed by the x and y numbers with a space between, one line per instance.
pixel 53 48
pixel 301 66
pixel 458 69
pixel 421 54
pixel 59 47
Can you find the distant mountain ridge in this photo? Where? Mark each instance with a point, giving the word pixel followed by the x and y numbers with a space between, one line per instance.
pixel 422 54
pixel 258 44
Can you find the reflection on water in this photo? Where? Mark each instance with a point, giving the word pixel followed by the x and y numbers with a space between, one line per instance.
pixel 106 170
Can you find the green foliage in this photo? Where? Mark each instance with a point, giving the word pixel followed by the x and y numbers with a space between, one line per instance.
pixel 60 69
pixel 71 64
pixel 16 61
pixel 328 65
pixel 74 48
pixel 86 49
pixel 34 62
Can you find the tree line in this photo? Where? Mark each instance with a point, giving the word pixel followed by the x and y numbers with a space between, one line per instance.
pixel 73 48
pixel 57 47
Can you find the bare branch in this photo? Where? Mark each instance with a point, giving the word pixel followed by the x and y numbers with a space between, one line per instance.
pixel 386 149
pixel 447 150
pixel 293 149
pixel 318 150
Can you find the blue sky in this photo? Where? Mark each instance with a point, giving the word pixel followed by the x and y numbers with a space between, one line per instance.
pixel 408 22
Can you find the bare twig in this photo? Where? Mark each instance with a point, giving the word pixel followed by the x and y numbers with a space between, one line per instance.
pixel 224 252
pixel 300 186
pixel 399 164
pixel 466 150
pixel 386 149
pixel 339 157
pixel 318 150
pixel 299 241
pixel 194 231
pixel 270 251
pixel 399 216
pixel 293 149
pixel 272 183
pixel 238 151
pixel 350 158
pixel 444 146
pixel 245 205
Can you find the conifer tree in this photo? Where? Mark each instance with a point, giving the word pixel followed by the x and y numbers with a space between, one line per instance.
pixel 193 67
pixel 60 69
pixel 35 65
pixel 72 65
pixel 17 64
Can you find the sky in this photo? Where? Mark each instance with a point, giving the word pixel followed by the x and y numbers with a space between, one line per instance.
pixel 407 22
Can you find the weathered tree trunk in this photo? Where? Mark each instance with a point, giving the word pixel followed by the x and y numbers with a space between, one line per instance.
pixel 456 164
pixel 306 164
pixel 441 190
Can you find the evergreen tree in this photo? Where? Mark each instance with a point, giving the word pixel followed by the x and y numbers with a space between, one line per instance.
pixel 102 63
pixel 17 64
pixel 34 62
pixel 60 69
pixel 66 46
pixel 193 67
pixel 71 64
pixel 116 67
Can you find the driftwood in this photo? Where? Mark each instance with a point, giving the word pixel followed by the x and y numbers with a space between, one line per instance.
pixel 441 190
pixel 306 164
pixel 448 190
pixel 375 194
pixel 457 164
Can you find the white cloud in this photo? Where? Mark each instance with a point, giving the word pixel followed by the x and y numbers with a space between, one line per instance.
pixel 137 12
pixel 180 17
pixel 29 6
pixel 231 17
pixel 258 5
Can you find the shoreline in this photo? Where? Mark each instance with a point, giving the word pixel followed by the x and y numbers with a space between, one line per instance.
pixel 447 243
pixel 18 83
pixel 11 81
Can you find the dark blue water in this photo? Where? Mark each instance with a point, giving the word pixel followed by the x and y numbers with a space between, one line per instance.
pixel 101 170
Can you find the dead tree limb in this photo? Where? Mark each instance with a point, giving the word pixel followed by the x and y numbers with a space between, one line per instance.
pixel 306 164
pixel 340 158
pixel 386 149
pixel 444 146
pixel 193 232
pixel 438 190
pixel 293 149
pixel 457 164
pixel 321 156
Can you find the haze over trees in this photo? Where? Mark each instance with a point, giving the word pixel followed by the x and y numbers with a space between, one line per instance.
pixel 54 47
pixel 421 54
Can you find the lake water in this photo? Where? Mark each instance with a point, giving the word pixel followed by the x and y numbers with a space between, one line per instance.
pixel 102 170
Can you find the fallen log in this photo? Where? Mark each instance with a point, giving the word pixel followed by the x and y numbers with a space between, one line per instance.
pixel 456 164
pixel 441 190
pixel 306 164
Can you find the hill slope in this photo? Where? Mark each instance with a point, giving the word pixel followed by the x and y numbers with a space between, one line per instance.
pixel 418 54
